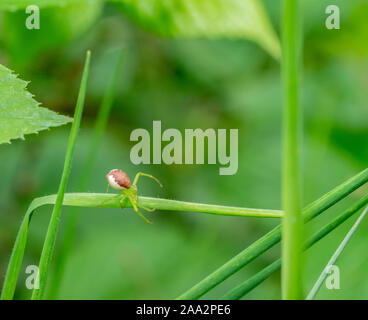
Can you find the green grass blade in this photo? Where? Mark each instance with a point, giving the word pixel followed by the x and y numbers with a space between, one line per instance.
pixel 291 180
pixel 49 244
pixel 87 171
pixel 273 237
pixel 111 201
pixel 242 289
pixel 17 254
pixel 248 285
pixel 16 257
pixel 335 256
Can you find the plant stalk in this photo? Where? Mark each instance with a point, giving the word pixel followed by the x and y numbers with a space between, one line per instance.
pixel 50 240
pixel 335 256
pixel 239 291
pixel 225 271
pixel 273 237
pixel 111 201
pixel 291 180
pixel 87 171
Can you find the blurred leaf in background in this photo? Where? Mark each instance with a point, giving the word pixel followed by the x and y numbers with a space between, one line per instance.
pixel 59 25
pixel 178 18
pixel 206 18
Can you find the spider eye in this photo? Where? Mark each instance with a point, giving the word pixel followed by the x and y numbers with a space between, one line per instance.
pixel 118 179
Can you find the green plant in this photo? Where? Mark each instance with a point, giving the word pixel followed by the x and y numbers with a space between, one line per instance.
pixel 336 256
pixel 291 181
pixel 48 248
pixel 248 285
pixel 235 264
pixel 46 256
pixel 179 22
pixel 20 114
pixel 88 169
pixel 184 18
pixel 273 237
pixel 111 201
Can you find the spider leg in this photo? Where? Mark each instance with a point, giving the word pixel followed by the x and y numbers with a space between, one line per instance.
pixel 122 200
pixel 105 201
pixel 145 208
pixel 135 181
pixel 134 205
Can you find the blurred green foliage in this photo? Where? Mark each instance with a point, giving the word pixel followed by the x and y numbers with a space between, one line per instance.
pixel 224 83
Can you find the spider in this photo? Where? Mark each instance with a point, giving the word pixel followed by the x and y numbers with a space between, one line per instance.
pixel 119 180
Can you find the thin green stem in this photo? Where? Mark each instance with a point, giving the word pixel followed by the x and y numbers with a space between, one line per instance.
pixel 335 256
pixel 73 216
pixel 235 264
pixel 111 201
pixel 273 237
pixel 291 180
pixel 239 291
pixel 242 289
pixel 49 244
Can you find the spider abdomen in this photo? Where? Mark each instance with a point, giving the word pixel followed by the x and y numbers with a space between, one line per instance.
pixel 118 179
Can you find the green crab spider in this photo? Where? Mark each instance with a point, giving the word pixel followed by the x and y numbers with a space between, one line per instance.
pixel 119 180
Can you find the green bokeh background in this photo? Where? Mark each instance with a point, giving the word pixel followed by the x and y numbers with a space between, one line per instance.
pixel 185 84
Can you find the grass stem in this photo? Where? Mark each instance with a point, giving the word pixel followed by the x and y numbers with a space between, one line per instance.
pixel 335 256
pixel 273 237
pixel 229 268
pixel 110 201
pixel 239 291
pixel 291 181
pixel 49 244
pixel 87 171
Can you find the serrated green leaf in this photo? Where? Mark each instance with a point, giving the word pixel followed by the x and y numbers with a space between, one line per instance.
pixel 20 114
pixel 208 18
